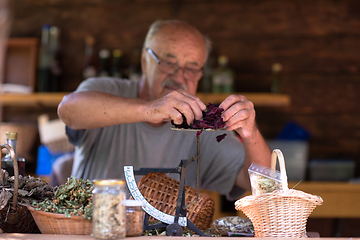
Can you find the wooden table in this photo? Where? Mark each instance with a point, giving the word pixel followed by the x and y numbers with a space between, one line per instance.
pixel 341 199
pixel 15 236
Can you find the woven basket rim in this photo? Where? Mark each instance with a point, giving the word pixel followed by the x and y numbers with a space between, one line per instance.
pixel 251 200
pixel 55 215
pixel 294 193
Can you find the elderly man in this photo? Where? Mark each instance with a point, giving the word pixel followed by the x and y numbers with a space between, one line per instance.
pixel 116 122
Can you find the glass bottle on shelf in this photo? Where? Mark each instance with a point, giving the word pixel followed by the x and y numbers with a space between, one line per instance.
pixel 116 64
pixel 222 77
pixel 55 65
pixel 206 79
pixel 276 75
pixel 104 56
pixel 6 161
pixel 44 73
pixel 89 68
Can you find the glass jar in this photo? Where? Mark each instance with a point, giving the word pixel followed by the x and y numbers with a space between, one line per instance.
pixel 134 218
pixel 109 213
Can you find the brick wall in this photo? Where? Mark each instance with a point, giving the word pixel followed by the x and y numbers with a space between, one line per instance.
pixel 317 42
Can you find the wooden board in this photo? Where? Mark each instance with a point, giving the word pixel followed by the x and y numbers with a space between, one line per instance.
pixel 21 61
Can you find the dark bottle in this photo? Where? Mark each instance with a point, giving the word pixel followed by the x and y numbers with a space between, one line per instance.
pixel 44 73
pixel 55 61
pixel 89 68
pixel 116 64
pixel 206 79
pixel 276 81
pixel 104 56
pixel 6 162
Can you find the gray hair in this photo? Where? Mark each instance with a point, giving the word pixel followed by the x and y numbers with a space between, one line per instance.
pixel 158 24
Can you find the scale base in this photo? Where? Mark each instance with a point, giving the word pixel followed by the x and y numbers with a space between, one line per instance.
pixel 173 229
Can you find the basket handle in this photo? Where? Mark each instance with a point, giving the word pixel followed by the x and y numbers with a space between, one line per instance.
pixel 277 154
pixel 16 172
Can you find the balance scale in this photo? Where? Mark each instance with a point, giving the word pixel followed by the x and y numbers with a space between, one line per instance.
pixel 172 223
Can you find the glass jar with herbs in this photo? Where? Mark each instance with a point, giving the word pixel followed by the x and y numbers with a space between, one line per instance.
pixel 109 212
pixel 135 218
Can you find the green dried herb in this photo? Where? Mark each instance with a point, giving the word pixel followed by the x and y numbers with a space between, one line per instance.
pixel 74 198
pixel 267 185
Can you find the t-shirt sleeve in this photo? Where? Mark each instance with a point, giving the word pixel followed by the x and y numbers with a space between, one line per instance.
pixel 74 136
pixel 118 87
pixel 114 86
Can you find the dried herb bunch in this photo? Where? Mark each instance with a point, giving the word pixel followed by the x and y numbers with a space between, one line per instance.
pixel 186 232
pixel 74 198
pixel 233 225
pixel 30 190
pixel 263 184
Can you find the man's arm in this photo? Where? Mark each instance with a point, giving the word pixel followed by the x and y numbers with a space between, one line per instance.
pixel 93 109
pixel 239 115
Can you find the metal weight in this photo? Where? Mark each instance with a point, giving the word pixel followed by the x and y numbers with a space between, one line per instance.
pixel 174 229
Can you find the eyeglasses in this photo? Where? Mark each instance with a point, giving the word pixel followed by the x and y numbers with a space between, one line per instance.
pixel 171 68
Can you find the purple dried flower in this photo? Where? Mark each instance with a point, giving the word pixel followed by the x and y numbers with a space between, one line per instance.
pixel 211 119
pixel 219 138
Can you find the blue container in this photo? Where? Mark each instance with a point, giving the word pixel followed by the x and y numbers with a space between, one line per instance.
pixel 45 160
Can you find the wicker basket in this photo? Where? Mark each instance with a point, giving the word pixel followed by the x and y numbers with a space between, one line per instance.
pixel 16 218
pixel 161 192
pixel 282 213
pixel 54 223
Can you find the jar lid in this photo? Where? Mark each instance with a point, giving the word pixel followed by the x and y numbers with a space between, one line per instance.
pixel 133 203
pixel 103 182
pixel 11 135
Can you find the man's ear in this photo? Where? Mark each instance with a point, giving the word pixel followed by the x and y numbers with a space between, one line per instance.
pixel 143 61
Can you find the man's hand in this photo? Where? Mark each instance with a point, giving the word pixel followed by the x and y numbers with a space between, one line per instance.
pixel 239 115
pixel 172 105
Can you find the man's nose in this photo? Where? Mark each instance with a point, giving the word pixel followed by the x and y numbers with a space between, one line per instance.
pixel 179 75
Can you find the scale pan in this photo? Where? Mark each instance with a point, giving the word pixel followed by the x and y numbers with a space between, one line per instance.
pixel 196 130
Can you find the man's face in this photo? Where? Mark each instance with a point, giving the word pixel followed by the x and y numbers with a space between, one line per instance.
pixel 182 49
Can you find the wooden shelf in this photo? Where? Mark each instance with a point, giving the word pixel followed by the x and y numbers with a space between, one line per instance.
pixel 259 99
pixel 53 99
pixel 31 100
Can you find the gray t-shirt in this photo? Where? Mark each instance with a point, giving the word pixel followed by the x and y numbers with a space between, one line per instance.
pixel 103 153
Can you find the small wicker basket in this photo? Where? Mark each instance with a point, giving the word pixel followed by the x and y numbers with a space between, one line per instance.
pixel 161 192
pixel 282 213
pixel 16 218
pixel 54 223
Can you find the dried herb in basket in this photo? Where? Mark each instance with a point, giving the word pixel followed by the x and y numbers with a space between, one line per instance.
pixel 30 190
pixel 74 198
